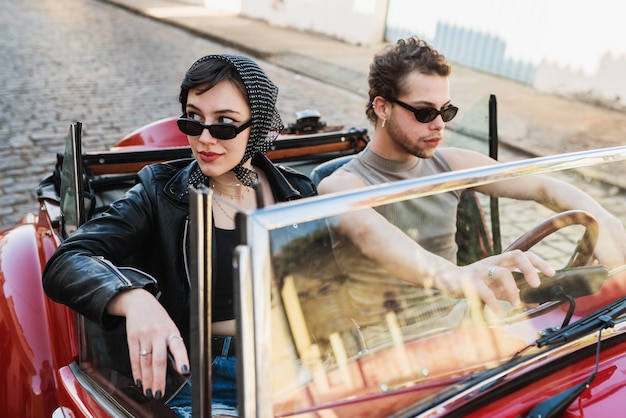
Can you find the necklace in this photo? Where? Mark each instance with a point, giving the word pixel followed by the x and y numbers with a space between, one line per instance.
pixel 215 186
pixel 219 205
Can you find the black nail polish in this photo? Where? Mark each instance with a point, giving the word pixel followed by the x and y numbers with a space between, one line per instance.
pixel 149 393
pixel 158 395
pixel 138 383
pixel 184 368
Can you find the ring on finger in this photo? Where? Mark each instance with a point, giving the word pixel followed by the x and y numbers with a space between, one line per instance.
pixel 491 273
pixel 173 337
pixel 144 352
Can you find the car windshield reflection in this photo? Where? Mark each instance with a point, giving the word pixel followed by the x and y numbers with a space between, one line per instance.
pixel 328 329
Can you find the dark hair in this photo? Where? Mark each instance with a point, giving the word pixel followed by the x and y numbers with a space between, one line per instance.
pixel 258 90
pixel 392 64
pixel 207 74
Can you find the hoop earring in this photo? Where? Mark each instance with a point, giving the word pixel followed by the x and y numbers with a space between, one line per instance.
pixel 383 124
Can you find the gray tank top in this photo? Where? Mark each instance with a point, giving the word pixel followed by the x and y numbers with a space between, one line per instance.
pixel 431 221
pixel 371 292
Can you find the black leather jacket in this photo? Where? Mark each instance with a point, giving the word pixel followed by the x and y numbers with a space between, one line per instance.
pixel 141 242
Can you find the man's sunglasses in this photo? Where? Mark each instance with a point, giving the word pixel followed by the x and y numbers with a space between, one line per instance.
pixel 217 130
pixel 428 114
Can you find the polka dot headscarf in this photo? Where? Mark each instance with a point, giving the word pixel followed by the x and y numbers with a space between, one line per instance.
pixel 262 95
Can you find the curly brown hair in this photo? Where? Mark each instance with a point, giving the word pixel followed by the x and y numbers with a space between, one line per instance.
pixel 392 64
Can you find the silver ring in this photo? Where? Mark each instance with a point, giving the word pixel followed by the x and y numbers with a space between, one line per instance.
pixel 173 336
pixel 491 272
pixel 144 352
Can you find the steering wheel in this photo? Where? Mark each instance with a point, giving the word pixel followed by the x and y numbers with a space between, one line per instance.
pixel 579 277
pixel 583 252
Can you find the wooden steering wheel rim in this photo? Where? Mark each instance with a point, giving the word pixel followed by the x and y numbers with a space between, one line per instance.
pixel 583 252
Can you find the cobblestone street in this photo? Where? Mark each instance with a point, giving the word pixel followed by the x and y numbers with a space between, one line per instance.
pixel 88 61
pixel 77 60
pixel 309 307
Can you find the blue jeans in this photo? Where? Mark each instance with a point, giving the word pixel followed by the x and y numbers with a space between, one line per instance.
pixel 223 388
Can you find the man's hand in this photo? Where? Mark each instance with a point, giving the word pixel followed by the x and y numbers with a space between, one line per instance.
pixel 491 278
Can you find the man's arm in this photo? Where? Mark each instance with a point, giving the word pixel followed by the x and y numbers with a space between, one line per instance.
pixel 554 194
pixel 402 257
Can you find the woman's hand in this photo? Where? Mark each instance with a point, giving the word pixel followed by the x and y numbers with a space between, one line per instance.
pixel 150 333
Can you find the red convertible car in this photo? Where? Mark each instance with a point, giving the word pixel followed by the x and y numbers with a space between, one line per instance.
pixel 320 337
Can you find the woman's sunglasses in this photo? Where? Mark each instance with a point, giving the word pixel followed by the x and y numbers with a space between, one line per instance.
pixel 428 114
pixel 217 130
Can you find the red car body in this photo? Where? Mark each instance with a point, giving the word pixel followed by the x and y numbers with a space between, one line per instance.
pixel 41 343
pixel 40 336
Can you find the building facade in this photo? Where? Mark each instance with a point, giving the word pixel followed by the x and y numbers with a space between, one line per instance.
pixel 569 48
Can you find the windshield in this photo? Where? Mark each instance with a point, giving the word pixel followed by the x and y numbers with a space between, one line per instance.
pixel 72 182
pixel 327 330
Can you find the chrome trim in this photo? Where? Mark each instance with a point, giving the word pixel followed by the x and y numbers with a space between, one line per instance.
pixel 62 412
pixel 258 223
pixel 247 396
pixel 99 395
pixel 186 250
pixel 255 324
pixel 77 166
pixel 72 212
pixel 200 300
pixel 304 210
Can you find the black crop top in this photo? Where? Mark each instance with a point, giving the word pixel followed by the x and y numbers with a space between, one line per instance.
pixel 222 287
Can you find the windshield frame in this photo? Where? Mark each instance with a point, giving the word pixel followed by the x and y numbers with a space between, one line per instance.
pixel 254 326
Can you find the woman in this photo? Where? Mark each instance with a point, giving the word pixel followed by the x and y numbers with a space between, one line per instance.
pixel 230 118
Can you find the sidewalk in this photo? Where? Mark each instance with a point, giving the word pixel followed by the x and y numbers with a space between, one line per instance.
pixel 536 123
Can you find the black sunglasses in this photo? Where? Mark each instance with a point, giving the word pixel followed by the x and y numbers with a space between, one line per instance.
pixel 217 130
pixel 428 114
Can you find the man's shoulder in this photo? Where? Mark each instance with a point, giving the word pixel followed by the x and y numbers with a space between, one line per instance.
pixel 340 180
pixel 461 158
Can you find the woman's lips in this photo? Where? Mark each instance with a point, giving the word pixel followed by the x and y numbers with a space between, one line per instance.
pixel 208 156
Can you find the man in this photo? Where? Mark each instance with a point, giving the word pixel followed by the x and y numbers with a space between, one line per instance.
pixel 409 104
